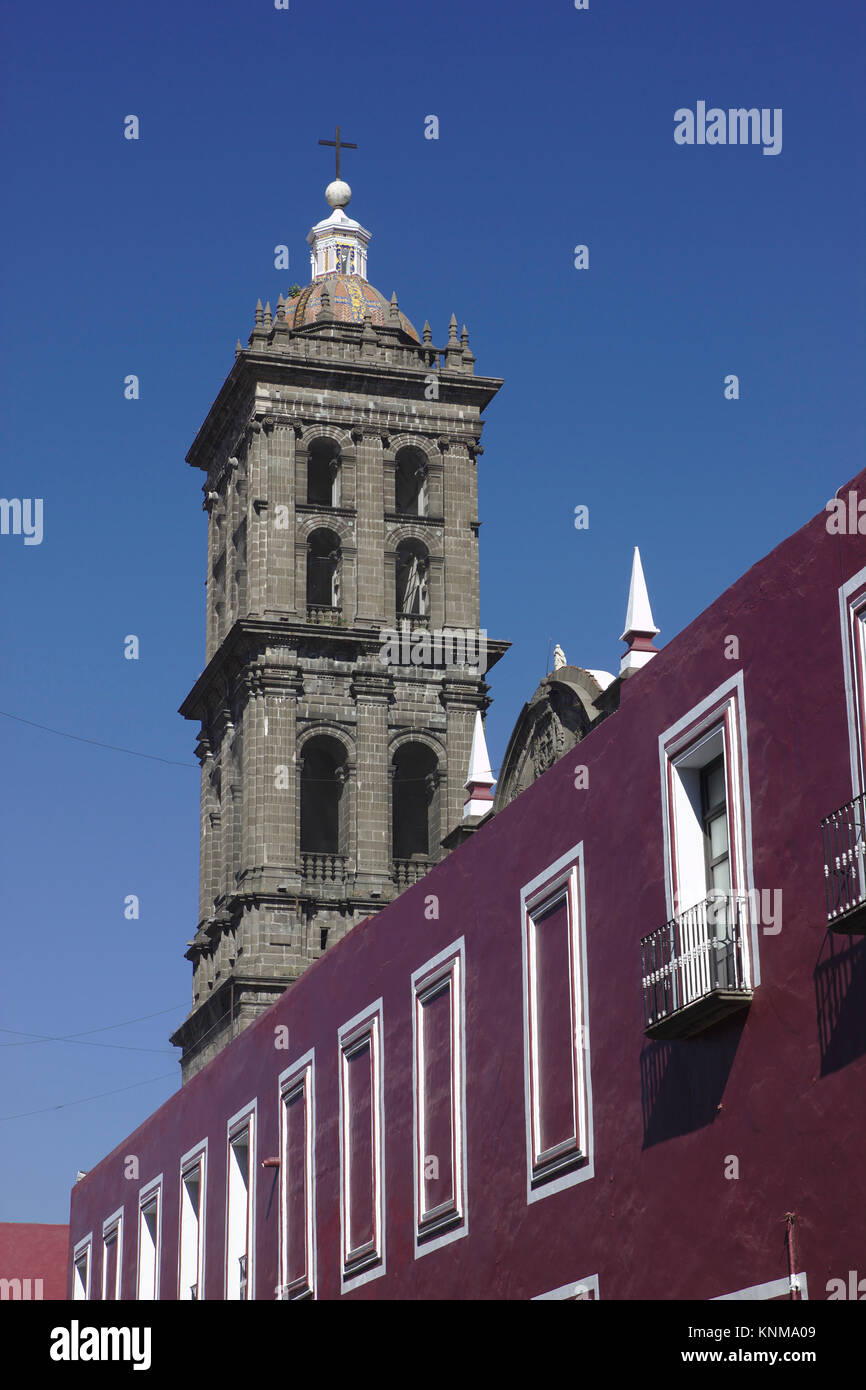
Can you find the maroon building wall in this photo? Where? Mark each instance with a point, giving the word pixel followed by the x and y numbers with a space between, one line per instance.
pixel 33 1260
pixel 779 1087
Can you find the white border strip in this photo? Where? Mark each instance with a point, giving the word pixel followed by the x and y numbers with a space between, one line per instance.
pixel 713 706
pixel 194 1156
pixel 302 1072
pixel 113 1223
pixel 369 1020
pixel 84 1246
pixel 847 618
pixel 570 1291
pixel 429 976
pixel 775 1289
pixel 152 1189
pixel 245 1118
pixel 569 863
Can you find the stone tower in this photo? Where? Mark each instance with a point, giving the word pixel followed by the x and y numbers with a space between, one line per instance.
pixel 345 665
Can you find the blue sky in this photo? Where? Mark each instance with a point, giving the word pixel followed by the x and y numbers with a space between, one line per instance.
pixel 147 257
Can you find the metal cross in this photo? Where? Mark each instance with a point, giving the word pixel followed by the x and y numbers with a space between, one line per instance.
pixel 341 145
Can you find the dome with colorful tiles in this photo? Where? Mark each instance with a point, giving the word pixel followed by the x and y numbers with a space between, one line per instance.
pixel 351 296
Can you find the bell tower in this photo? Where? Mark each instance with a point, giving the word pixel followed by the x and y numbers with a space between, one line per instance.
pixel 345 663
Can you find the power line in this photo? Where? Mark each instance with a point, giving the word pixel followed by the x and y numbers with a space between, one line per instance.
pixel 86 1032
pixel 31 1039
pixel 142 1018
pixel 84 1099
pixel 95 743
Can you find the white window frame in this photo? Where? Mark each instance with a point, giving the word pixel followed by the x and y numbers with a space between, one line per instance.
pixel 301 1074
pixel 368 1023
pixel 83 1253
pixel 195 1157
pixel 244 1121
pixel 148 1195
pixel 577 1292
pixel 546 1174
pixel 437 1228
pixel 852 615
pixel 776 1288
pixel 716 723
pixel 113 1226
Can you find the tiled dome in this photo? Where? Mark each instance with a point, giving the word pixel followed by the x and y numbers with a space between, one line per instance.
pixel 350 298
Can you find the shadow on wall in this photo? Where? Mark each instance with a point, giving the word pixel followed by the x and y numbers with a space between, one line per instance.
pixel 840 1001
pixel 682 1083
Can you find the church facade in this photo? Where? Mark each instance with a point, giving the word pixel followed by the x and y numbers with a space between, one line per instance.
pixel 612 1046
pixel 345 664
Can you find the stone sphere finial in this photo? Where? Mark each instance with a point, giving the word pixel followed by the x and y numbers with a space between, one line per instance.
pixel 338 194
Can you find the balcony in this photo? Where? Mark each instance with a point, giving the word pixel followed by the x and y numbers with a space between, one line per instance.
pixel 416 622
pixel 845 866
pixel 323 868
pixel 695 968
pixel 408 871
pixel 324 615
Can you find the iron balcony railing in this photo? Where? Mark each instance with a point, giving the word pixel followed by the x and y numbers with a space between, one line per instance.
pixel 696 954
pixel 327 868
pixel 845 858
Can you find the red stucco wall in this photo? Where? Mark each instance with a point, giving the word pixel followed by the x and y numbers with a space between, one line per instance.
pixel 780 1087
pixel 33 1252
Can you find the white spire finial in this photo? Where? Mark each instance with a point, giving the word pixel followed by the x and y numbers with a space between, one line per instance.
pixel 640 628
pixel 480 779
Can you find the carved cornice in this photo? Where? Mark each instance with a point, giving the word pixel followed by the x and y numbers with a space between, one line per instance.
pixel 373 687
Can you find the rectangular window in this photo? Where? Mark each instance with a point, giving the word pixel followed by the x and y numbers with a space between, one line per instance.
pixel 361 1151
pixel 439 1069
pixel 193 1181
pixel 714 819
pixel 298 1185
pixel 706 811
pixel 81 1260
pixel 149 1240
pixel 844 830
pixel 556 1032
pixel 852 606
pixel 240 1208
pixel 112 1254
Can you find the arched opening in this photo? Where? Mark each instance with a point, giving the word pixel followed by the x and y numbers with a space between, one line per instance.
pixel 324 564
pixel 323 778
pixel 323 473
pixel 413 566
pixel 410 482
pixel 415 804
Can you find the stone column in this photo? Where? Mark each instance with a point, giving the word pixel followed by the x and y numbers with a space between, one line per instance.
pixel 369 503
pixel 278 578
pixel 206 887
pixel 461 507
pixel 373 693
